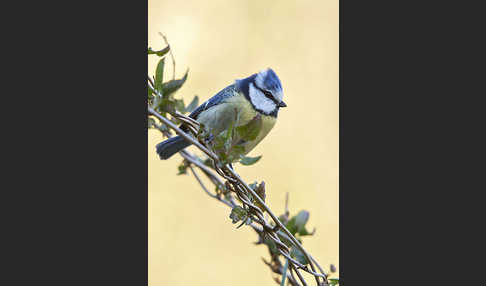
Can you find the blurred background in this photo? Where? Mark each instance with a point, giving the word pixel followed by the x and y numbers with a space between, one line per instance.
pixel 191 239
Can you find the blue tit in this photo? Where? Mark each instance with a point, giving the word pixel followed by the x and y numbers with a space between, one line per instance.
pixel 260 93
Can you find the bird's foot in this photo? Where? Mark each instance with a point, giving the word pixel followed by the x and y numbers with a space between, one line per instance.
pixel 209 139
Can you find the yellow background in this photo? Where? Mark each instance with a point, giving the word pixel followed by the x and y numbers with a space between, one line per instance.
pixel 191 239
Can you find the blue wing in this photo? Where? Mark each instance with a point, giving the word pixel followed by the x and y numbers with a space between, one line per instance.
pixel 228 91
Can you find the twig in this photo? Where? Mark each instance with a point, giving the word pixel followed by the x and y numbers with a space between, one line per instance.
pixel 293 277
pixel 299 275
pixel 151 82
pixel 287 204
pixel 171 55
pixel 277 221
pixel 206 190
pixel 284 274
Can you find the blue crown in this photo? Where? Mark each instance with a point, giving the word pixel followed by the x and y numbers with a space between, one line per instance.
pixel 272 82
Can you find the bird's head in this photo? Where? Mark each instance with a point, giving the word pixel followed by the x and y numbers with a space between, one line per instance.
pixel 264 90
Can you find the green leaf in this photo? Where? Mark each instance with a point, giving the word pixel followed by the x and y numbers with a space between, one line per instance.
pixel 304 232
pixel 271 245
pixel 157 102
pixel 179 105
pixel 238 213
pixel 235 152
pixel 247 161
pixel 223 146
pixel 163 128
pixel 297 223
pixel 246 221
pixel 251 130
pixel 260 190
pixel 167 105
pixel 228 136
pixel 285 239
pixel 208 162
pixel 219 141
pixel 173 85
pixel 182 168
pixel 333 281
pixel 298 255
pixel 301 219
pixel 291 226
pixel 159 74
pixel 283 219
pixel 150 93
pixel 193 105
pixel 151 122
pixel 159 53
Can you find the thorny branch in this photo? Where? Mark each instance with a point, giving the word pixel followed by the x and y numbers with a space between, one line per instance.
pixel 234 184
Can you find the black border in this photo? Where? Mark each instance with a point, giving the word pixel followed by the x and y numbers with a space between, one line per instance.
pixel 77 176
pixel 409 140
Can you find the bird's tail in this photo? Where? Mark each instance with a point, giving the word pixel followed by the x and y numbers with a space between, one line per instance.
pixel 171 146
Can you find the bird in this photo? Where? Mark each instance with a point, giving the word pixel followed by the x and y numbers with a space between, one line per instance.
pixel 259 94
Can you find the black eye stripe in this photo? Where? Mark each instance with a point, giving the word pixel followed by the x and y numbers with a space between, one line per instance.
pixel 268 94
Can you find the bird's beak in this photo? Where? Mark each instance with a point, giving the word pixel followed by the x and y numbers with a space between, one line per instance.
pixel 282 104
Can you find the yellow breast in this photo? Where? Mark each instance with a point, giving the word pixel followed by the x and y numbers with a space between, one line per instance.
pixel 220 116
pixel 247 113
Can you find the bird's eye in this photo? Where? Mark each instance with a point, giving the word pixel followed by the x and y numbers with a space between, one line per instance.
pixel 267 94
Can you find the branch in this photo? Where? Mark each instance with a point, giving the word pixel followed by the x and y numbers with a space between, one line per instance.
pixel 243 191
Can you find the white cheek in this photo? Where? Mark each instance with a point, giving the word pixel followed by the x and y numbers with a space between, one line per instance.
pixel 260 101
